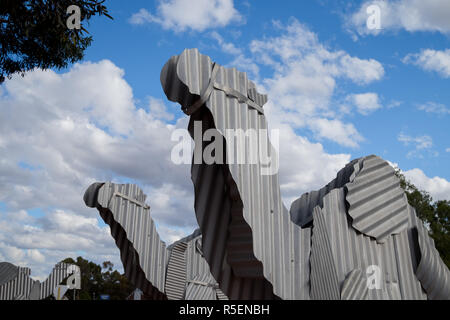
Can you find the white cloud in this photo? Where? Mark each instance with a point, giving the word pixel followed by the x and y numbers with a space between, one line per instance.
pixel 197 15
pixel 420 144
pixel 304 166
pixel 36 256
pixel 226 47
pixel 438 187
pixel 304 80
pixel 394 104
pixel 447 150
pixel 240 60
pixel 360 70
pixel 365 103
pixel 409 15
pixel 433 107
pixel 158 110
pixel 12 253
pixel 431 60
pixel 335 130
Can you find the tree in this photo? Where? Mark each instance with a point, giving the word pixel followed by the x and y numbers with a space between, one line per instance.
pixel 435 215
pixel 35 33
pixel 96 280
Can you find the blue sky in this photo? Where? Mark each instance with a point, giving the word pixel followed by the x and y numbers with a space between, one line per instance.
pixel 337 91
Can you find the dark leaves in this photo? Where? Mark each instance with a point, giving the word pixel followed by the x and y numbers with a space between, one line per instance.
pixel 34 34
pixel 434 215
pixel 96 280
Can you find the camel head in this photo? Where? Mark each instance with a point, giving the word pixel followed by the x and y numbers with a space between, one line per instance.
pixel 222 99
pixel 193 79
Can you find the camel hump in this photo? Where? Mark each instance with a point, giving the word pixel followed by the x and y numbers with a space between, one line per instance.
pixel 377 204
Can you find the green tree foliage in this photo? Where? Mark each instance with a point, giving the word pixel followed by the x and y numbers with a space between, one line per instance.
pixel 435 215
pixel 34 34
pixel 97 280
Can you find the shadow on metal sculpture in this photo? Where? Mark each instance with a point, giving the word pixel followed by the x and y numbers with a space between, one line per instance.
pixel 16 283
pixel 176 272
pixel 356 238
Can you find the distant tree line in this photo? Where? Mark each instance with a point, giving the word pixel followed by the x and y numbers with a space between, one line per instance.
pixel 99 280
pixel 434 214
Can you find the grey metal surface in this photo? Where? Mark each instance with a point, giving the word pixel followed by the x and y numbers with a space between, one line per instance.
pixel 188 275
pixel 381 212
pixel 354 286
pixel 158 271
pixel 201 287
pixel 432 273
pixel 19 286
pixel 406 255
pixel 354 250
pixel 264 250
pixel 143 254
pixel 198 273
pixel 323 276
pixel 221 295
pixel 176 272
pixel 377 203
pixel 301 210
pixel 218 240
pixel 8 271
pixel 23 287
pixel 60 272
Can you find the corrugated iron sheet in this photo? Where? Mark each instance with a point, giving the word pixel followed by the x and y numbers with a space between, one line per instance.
pixel 324 282
pixel 406 256
pixel 23 287
pixel 158 271
pixel 198 272
pixel 143 254
pixel 302 209
pixel 220 294
pixel 8 271
pixel 354 286
pixel 202 287
pixel 262 240
pixel 19 286
pixel 58 274
pixel 176 272
pixel 432 273
pixel 214 218
pixel 378 208
pixel 354 250
pixel 377 203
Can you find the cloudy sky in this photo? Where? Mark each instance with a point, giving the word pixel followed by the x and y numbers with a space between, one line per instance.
pixel 337 91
